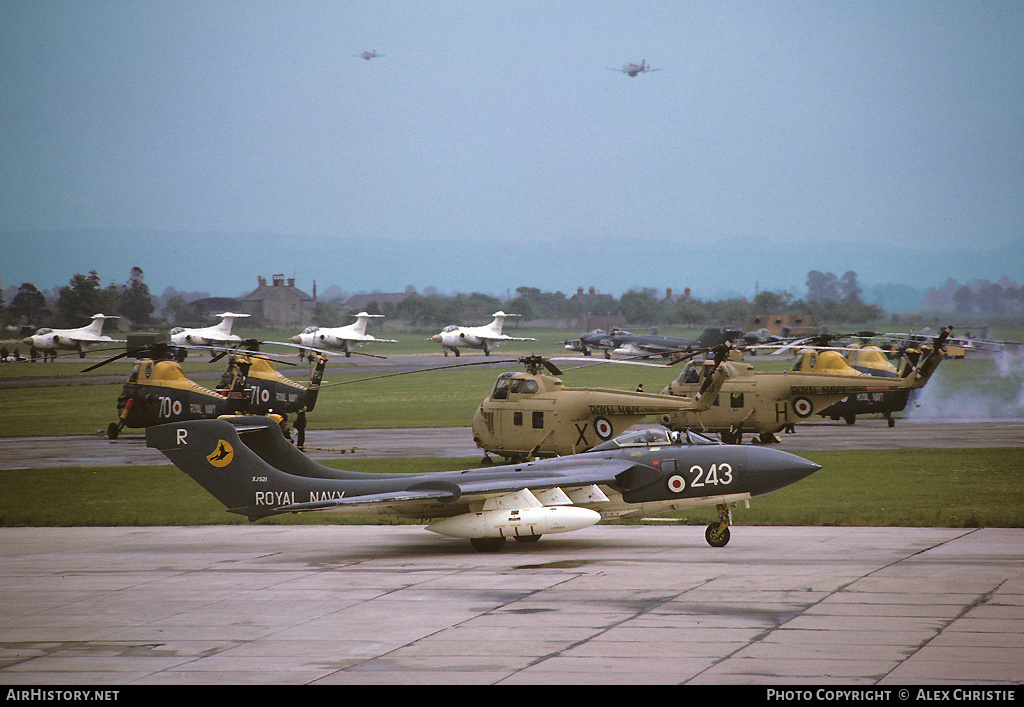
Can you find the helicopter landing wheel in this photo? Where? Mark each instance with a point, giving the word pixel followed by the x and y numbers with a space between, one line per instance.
pixel 487 544
pixel 113 430
pixel 526 538
pixel 892 422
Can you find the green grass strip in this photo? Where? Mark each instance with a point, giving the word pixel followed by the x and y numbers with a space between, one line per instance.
pixel 929 488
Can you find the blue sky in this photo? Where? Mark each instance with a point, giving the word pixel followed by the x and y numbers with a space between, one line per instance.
pixel 490 147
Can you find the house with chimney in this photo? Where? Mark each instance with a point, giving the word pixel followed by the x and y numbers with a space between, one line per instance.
pixel 279 303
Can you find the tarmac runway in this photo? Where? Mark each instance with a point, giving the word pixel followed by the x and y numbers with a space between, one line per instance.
pixel 879 608
pixel 233 605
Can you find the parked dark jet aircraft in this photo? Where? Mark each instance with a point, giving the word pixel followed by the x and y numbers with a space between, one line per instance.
pixel 248 465
pixel 622 342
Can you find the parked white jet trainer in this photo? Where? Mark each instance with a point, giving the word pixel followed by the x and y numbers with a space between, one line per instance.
pixel 215 335
pixel 343 338
pixel 485 337
pixel 77 339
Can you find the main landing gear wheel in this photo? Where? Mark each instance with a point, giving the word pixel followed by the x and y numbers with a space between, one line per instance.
pixel 113 430
pixel 487 544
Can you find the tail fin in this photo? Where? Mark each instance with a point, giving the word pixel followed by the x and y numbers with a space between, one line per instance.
pixel 96 325
pixel 211 452
pixel 923 370
pixel 314 382
pixel 227 319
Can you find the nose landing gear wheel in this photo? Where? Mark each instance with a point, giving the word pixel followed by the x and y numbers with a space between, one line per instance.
pixel 717 535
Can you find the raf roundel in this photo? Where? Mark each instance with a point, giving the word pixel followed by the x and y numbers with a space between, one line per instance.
pixel 603 428
pixel 803 407
pixel 676 483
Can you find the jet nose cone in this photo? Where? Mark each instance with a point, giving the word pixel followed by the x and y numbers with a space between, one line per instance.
pixel 27 340
pixel 436 338
pixel 773 469
pixel 296 339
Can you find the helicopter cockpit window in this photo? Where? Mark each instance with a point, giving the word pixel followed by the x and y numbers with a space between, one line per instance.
pixel 501 389
pixel 691 374
pixel 525 386
pixel 134 375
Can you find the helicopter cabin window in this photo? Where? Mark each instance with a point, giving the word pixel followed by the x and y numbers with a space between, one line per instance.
pixel 736 400
pixel 501 389
pixel 691 374
pixel 538 420
pixel 517 419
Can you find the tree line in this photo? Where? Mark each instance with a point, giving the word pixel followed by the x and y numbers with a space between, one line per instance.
pixel 76 302
pixel 829 299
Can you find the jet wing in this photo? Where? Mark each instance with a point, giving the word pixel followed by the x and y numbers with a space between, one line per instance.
pixel 480 484
pixel 504 337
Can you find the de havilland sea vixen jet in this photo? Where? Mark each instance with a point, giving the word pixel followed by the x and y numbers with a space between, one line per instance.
pixel 249 466
pixel 344 338
pixel 625 343
pixel 487 337
pixel 79 340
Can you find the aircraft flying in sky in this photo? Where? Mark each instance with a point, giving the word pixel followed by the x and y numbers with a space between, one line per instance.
pixel 368 55
pixel 344 338
pixel 634 69
pixel 487 337
pixel 79 339
pixel 218 334
pixel 249 466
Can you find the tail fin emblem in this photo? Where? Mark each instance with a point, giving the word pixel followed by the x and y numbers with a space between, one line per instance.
pixel 221 456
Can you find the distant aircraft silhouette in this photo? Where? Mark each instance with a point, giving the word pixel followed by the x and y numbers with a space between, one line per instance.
pixel 634 69
pixel 368 55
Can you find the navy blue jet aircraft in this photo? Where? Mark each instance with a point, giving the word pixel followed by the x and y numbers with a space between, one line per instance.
pixel 625 343
pixel 249 466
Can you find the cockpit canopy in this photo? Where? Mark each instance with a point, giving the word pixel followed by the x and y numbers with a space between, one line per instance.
pixel 43 332
pixel 692 372
pixel 177 330
pixel 450 327
pixel 514 383
pixel 311 330
pixel 653 437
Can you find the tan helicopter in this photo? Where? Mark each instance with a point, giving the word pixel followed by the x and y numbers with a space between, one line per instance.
pixel 856 359
pixel 765 403
pixel 531 414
